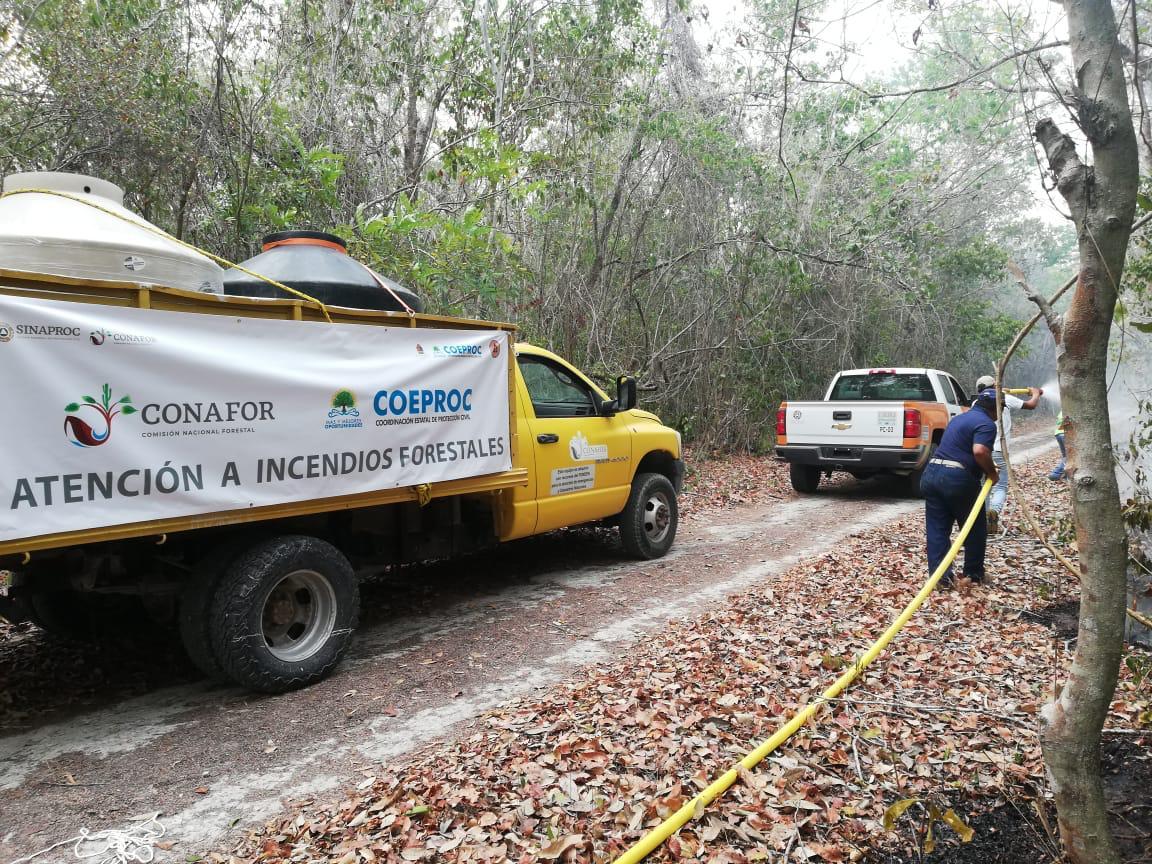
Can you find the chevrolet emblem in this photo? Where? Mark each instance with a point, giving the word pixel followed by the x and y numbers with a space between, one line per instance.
pixel 840 427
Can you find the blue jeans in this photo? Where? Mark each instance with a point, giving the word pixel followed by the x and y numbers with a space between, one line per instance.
pixel 1000 490
pixel 949 495
pixel 1057 473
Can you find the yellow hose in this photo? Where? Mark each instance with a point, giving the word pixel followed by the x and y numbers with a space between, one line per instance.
pixel 1140 619
pixel 696 806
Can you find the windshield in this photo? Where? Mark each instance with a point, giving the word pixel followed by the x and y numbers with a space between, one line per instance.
pixel 883 386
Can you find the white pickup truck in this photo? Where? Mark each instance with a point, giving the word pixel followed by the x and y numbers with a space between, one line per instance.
pixel 871 421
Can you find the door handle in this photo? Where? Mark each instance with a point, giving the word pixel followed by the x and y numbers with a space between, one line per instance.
pixel 547 438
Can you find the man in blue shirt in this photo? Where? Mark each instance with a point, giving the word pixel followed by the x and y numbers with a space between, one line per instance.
pixel 951 484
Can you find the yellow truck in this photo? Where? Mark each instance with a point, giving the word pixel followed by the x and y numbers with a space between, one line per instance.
pixel 230 465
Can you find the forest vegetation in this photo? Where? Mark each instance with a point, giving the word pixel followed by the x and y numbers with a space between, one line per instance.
pixel 731 210
pixel 707 205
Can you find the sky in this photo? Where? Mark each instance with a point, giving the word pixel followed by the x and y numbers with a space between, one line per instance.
pixel 882 40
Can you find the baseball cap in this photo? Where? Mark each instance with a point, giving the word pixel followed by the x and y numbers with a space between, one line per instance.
pixel 985 381
pixel 986 398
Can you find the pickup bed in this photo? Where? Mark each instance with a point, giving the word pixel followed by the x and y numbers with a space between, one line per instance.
pixel 871 421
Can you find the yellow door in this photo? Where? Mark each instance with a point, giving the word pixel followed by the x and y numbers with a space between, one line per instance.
pixel 583 453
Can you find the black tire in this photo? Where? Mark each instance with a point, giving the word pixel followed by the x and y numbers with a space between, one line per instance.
pixel 805 478
pixel 649 520
pixel 283 614
pixel 195 610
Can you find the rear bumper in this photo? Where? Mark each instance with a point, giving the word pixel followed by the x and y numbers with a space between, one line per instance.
pixel 831 456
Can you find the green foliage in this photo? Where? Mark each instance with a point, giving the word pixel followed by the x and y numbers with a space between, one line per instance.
pixel 623 194
pixel 455 261
pixel 295 186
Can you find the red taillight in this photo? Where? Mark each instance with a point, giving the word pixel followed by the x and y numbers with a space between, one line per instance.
pixel 912 425
pixel 781 423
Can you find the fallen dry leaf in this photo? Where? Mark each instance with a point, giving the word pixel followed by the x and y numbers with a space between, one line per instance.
pixel 583 769
pixel 561 845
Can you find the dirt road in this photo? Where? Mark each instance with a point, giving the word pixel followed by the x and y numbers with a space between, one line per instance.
pixel 95 740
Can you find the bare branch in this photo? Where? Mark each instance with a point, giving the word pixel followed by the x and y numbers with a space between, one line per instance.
pixel 939 88
pixel 1055 322
pixel 784 108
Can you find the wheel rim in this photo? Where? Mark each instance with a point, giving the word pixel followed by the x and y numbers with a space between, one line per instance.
pixel 298 616
pixel 657 517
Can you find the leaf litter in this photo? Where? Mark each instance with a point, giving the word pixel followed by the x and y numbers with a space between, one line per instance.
pixel 581 771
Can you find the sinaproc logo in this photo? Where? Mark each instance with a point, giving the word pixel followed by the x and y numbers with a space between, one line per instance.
pixel 8 332
pixel 344 413
pixel 84 434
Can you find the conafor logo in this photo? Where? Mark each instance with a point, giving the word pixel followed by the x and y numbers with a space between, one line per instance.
pixel 344 413
pixel 582 451
pixel 494 347
pixel 99 337
pixel 84 434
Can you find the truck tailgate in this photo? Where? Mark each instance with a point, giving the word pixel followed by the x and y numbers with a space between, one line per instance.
pixel 861 424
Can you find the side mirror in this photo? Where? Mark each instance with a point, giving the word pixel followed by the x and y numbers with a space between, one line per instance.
pixel 625 393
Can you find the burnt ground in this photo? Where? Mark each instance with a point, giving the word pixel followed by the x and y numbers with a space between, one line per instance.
pixel 1022 830
pixel 1062 617
pixel 1006 833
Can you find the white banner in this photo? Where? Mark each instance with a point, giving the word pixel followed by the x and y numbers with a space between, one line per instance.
pixel 119 415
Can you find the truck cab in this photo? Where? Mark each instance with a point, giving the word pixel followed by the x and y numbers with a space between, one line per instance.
pixel 584 452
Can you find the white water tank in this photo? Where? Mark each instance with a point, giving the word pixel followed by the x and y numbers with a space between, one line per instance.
pixel 63 236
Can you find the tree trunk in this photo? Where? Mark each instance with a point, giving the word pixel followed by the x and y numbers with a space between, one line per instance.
pixel 1102 199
